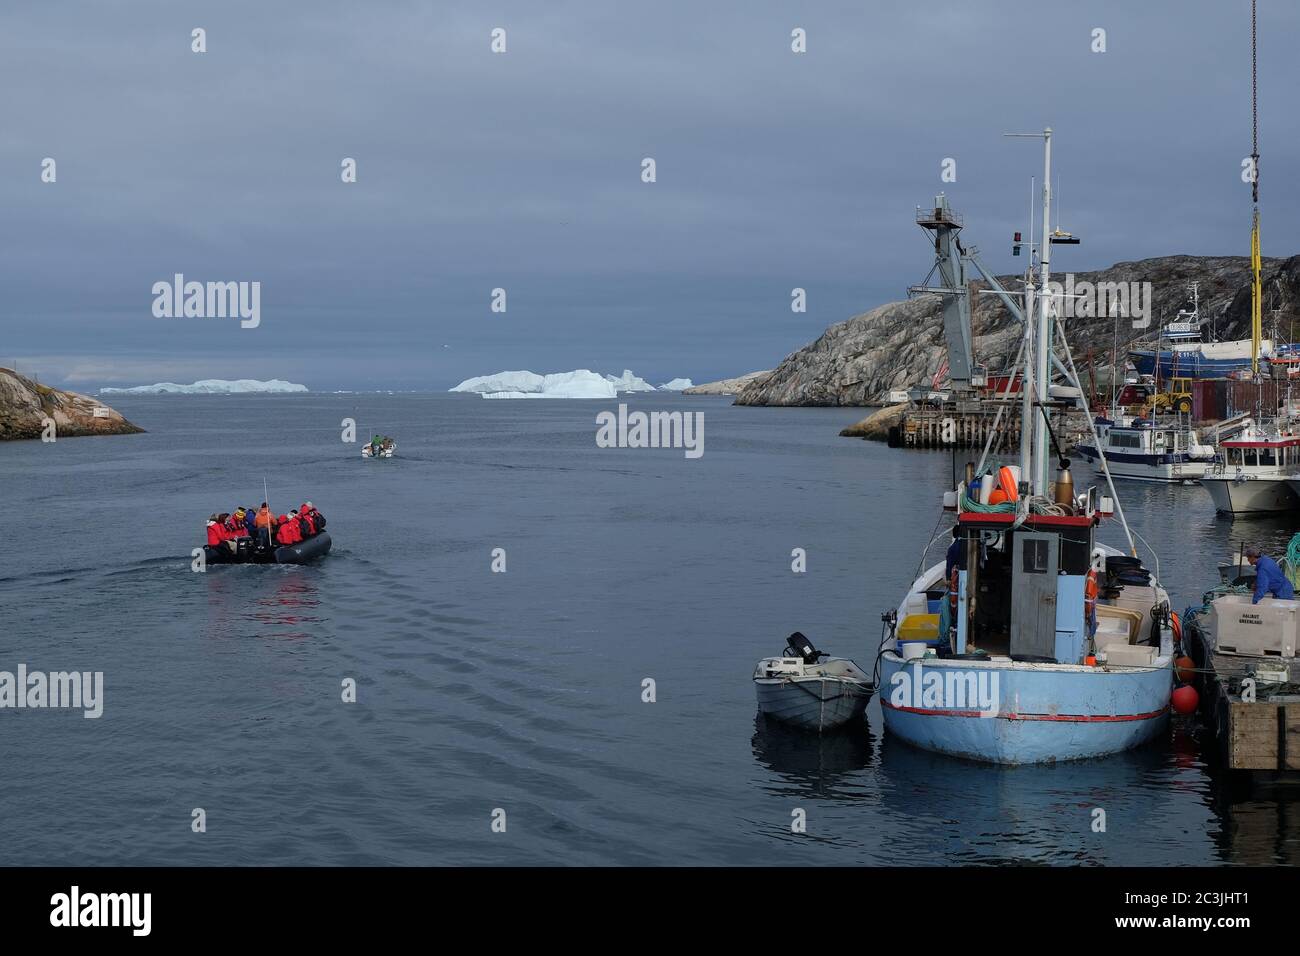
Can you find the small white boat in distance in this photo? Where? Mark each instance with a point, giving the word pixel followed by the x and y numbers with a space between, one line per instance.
pixel 808 689
pixel 382 449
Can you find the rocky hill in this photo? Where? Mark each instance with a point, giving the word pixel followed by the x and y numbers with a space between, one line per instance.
pixel 901 344
pixel 25 404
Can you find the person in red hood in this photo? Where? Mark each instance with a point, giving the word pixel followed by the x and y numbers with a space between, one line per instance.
pixel 216 533
pixel 305 522
pixel 288 532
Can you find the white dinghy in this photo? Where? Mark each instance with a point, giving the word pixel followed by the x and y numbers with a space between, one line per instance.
pixel 807 688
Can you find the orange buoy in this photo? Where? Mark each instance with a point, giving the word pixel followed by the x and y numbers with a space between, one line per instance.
pixel 1176 623
pixel 1186 669
pixel 997 497
pixel 1185 699
pixel 1007 484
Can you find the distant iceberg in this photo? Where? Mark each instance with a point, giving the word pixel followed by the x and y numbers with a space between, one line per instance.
pixel 628 382
pixel 676 385
pixel 577 384
pixel 581 383
pixel 208 386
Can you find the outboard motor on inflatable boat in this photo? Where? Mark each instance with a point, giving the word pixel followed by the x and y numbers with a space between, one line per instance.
pixel 803 647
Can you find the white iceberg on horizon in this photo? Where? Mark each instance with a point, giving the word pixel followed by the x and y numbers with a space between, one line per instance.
pixel 580 383
pixel 676 385
pixel 208 386
pixel 628 382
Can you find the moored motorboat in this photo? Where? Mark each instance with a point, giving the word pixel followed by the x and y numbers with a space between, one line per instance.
pixel 1254 473
pixel 1146 450
pixel 809 689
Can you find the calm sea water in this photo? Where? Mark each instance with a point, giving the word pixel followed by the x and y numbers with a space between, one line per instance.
pixel 523 691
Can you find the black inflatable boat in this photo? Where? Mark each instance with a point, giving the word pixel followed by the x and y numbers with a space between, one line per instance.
pixel 308 549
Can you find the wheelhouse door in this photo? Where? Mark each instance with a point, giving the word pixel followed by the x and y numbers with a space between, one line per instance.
pixel 1033 594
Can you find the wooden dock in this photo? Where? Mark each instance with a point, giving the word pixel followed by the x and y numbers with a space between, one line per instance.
pixel 1260 737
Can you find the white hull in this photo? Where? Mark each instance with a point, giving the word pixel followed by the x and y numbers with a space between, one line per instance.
pixel 819 696
pixel 815 703
pixel 1187 473
pixel 1251 495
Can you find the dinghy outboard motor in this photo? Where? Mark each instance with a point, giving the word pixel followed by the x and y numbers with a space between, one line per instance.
pixel 802 647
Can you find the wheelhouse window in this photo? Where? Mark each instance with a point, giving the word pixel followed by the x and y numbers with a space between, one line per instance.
pixel 1035 555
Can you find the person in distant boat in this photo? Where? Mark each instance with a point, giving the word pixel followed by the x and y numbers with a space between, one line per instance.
pixel 219 536
pixel 250 521
pixel 264 522
pixel 288 532
pixel 1269 579
pixel 304 522
pixel 317 519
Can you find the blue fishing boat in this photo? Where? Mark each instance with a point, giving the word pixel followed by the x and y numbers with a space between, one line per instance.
pixel 1186 356
pixel 1033 642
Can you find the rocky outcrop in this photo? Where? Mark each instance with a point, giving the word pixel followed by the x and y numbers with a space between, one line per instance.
pixel 876 426
pixel 901 344
pixel 726 386
pixel 25 405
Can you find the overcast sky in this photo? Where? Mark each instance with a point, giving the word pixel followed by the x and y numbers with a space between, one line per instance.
pixel 522 170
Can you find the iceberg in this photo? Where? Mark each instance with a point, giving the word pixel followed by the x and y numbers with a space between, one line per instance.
pixel 208 386
pixel 629 382
pixel 580 383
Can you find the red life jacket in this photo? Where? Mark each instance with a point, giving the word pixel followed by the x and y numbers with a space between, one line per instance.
pixel 216 534
pixel 284 535
pixel 311 524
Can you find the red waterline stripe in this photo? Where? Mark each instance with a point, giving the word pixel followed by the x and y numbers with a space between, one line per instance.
pixel 1063 718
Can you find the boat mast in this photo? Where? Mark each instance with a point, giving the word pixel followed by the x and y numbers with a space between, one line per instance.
pixel 1044 354
pixel 1256 290
pixel 1034 445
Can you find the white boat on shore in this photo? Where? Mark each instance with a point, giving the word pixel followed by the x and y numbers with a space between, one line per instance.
pixel 808 689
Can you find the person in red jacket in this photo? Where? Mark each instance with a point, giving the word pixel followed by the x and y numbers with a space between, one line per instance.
pixel 305 522
pixel 288 531
pixel 219 536
pixel 216 533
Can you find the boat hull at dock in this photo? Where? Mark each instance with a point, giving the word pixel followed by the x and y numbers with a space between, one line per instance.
pixel 1042 713
pixel 1249 495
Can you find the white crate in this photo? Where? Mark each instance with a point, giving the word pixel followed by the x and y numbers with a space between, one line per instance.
pixel 1266 629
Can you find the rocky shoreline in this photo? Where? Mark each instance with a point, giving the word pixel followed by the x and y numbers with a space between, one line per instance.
pixel 25 406
pixel 900 344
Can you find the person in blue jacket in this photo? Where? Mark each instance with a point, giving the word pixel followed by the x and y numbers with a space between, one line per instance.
pixel 1269 579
